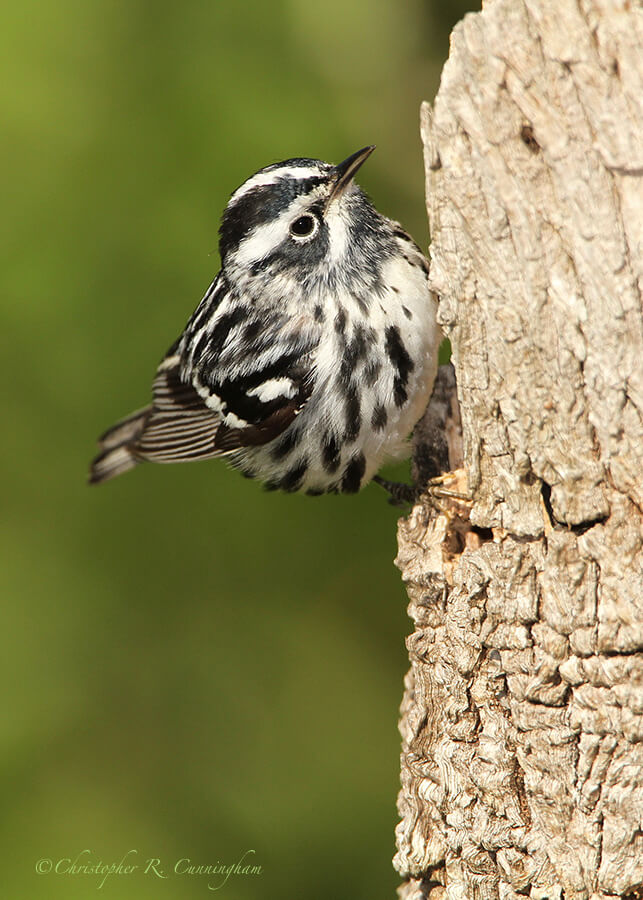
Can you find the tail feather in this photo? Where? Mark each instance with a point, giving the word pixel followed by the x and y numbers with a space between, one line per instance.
pixel 177 427
pixel 117 455
pixel 127 429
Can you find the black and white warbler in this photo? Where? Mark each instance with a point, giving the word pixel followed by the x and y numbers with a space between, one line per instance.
pixel 313 352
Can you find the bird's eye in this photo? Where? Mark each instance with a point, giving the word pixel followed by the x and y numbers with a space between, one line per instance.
pixel 304 227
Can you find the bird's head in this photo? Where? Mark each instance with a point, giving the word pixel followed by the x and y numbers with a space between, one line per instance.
pixel 301 219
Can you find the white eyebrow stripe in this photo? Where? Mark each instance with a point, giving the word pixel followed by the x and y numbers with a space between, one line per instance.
pixel 261 179
pixel 262 240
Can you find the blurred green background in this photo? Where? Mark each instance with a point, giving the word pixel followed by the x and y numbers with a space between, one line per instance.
pixel 193 668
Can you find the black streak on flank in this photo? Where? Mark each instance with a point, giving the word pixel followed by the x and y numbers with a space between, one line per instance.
pixel 353 475
pixel 287 443
pixel 407 312
pixel 419 263
pixel 372 371
pixel 363 306
pixel 400 233
pixel 293 478
pixel 340 320
pixel 403 363
pixel 379 417
pixel 330 453
pixel 354 351
pixel 319 314
pixel 353 413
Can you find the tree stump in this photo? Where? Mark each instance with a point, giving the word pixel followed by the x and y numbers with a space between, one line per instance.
pixel 522 720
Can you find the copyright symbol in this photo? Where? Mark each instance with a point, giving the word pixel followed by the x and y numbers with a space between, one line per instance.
pixel 43 866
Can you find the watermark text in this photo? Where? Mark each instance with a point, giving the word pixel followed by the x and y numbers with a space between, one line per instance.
pixel 87 864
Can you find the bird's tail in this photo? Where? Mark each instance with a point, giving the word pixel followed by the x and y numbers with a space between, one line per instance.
pixel 117 447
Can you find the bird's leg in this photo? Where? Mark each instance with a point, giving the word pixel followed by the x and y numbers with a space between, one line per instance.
pixel 434 456
pixel 399 494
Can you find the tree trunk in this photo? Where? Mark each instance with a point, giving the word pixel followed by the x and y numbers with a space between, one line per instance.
pixel 522 720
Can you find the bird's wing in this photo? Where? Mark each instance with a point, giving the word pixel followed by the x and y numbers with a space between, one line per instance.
pixel 176 427
pixel 257 408
pixel 257 385
pixel 179 427
pixel 182 425
pixel 235 379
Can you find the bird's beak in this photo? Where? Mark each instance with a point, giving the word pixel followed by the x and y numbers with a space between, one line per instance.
pixel 344 173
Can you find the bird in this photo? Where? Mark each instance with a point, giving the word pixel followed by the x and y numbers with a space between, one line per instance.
pixel 313 352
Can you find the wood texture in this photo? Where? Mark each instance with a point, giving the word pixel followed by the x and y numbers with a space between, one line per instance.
pixel 522 720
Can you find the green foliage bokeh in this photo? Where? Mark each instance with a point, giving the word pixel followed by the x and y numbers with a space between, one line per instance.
pixel 193 668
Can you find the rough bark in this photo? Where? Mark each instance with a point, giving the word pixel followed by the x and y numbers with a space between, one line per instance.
pixel 522 720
